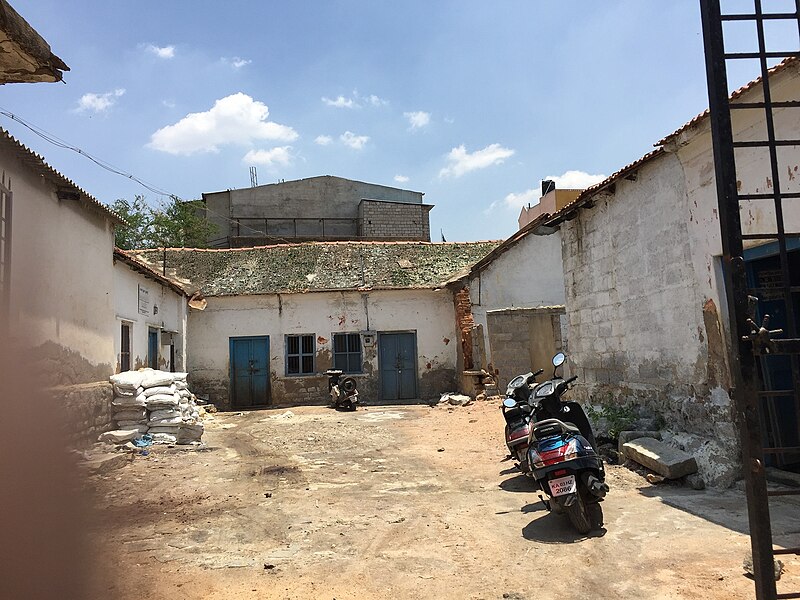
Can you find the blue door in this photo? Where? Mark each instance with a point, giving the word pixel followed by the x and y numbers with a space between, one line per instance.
pixel 397 356
pixel 249 371
pixel 152 348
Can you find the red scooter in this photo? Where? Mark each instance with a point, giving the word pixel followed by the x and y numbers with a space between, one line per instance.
pixel 517 413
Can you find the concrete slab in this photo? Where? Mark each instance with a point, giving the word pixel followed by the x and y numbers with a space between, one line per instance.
pixel 104 464
pixel 659 457
pixel 627 436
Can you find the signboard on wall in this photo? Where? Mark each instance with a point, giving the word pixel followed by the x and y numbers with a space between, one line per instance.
pixel 144 301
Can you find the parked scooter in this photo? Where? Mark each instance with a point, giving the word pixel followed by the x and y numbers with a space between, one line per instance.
pixel 343 392
pixel 517 413
pixel 562 455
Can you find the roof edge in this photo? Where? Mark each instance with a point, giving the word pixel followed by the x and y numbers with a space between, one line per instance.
pixel 139 266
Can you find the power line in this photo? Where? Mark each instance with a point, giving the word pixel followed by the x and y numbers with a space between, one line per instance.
pixel 58 142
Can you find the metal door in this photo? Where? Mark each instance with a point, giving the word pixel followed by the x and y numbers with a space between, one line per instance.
pixel 152 348
pixel 249 371
pixel 398 365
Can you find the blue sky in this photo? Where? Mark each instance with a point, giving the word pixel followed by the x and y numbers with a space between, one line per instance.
pixel 471 102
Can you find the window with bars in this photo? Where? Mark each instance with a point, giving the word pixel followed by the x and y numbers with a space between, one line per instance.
pixel 347 352
pixel 300 354
pixel 125 347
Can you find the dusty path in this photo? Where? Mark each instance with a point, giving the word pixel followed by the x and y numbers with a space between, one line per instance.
pixel 395 502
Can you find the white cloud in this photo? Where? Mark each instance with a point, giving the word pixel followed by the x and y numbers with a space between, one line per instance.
pixel 418 119
pixel 400 178
pixel 340 102
pixel 98 103
pixel 355 101
pixel 354 141
pixel 323 140
pixel 168 103
pixel 280 156
pixel 462 162
pixel 575 180
pixel 235 119
pixel 236 62
pixel 517 201
pixel 161 51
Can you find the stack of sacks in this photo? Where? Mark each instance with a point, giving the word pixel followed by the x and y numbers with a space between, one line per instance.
pixel 128 406
pixel 164 418
pixel 158 403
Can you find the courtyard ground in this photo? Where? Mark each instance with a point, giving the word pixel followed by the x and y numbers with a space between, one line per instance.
pixel 397 502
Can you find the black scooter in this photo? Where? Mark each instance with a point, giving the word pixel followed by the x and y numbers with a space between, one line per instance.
pixel 343 392
pixel 562 455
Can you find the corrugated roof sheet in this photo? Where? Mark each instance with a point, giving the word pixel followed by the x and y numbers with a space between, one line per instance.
pixel 317 266
pixel 37 163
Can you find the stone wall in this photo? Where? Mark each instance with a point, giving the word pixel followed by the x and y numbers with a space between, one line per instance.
pixel 84 410
pixel 394 220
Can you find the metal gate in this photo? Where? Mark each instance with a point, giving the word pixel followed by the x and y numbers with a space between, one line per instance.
pixel 753 351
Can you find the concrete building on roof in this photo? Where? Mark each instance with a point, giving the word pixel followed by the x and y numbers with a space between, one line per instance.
pixel 551 201
pixel 322 208
pixel 277 317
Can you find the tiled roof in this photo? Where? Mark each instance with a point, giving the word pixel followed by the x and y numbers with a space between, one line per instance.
pixel 587 194
pixel 317 266
pixel 38 165
pixel 736 94
pixel 146 270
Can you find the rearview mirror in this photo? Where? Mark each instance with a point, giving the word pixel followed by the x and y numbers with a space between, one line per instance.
pixel 509 403
pixel 559 359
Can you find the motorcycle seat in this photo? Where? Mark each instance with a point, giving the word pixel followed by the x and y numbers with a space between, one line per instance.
pixel 550 427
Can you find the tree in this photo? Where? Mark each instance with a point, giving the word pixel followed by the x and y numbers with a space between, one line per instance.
pixel 178 224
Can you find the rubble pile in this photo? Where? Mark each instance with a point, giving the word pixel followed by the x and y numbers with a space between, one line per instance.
pixel 157 404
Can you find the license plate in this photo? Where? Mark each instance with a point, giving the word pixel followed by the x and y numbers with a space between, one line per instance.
pixel 563 485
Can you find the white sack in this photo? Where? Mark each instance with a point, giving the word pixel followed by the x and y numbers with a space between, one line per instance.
pixel 164 438
pixel 162 422
pixel 164 413
pixel 139 426
pixel 130 415
pixel 160 389
pixel 127 379
pixel 128 402
pixel 119 436
pixel 165 400
pixel 156 378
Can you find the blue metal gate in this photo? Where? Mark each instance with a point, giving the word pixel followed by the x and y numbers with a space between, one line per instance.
pixel 249 360
pixel 397 355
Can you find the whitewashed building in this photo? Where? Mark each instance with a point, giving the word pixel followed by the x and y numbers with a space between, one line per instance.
pixel 151 313
pixel 645 298
pixel 56 283
pixel 277 317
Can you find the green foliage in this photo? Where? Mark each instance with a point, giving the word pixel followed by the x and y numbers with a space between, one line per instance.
pixel 178 224
pixel 617 417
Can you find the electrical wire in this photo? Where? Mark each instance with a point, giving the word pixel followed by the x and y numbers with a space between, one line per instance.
pixel 58 142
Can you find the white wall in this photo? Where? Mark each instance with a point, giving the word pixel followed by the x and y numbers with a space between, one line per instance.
pixel 61 278
pixel 429 313
pixel 171 317
pixel 528 275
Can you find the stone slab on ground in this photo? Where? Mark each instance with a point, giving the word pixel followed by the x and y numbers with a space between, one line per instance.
pixel 627 436
pixel 659 457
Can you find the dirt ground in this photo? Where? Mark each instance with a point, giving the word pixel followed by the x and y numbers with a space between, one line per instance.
pixel 397 502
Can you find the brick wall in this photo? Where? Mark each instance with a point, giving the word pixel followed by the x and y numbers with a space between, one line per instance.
pixel 464 325
pixel 394 220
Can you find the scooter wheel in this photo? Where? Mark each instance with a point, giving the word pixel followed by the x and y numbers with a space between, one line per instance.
pixel 348 384
pixel 595 515
pixel 579 515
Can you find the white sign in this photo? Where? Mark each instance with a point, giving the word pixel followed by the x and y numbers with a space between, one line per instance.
pixel 144 301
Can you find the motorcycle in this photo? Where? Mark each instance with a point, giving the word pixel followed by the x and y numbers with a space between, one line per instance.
pixel 343 392
pixel 517 414
pixel 562 455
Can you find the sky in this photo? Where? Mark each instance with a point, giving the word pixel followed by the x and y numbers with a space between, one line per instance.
pixel 471 102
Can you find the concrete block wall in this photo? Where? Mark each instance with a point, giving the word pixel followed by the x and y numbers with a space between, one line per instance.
pixel 634 308
pixel 394 220
pixel 84 411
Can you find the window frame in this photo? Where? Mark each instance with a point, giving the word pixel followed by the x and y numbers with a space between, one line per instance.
pixel 300 354
pixel 348 353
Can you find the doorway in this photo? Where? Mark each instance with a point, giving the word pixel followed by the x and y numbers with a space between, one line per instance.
pixel 397 357
pixel 249 360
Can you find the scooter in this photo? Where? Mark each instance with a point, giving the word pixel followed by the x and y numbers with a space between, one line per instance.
pixel 517 414
pixel 343 392
pixel 562 455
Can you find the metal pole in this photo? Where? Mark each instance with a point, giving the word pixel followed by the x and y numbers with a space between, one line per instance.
pixel 742 359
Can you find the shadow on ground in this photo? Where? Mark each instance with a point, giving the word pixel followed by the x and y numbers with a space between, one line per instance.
pixel 551 528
